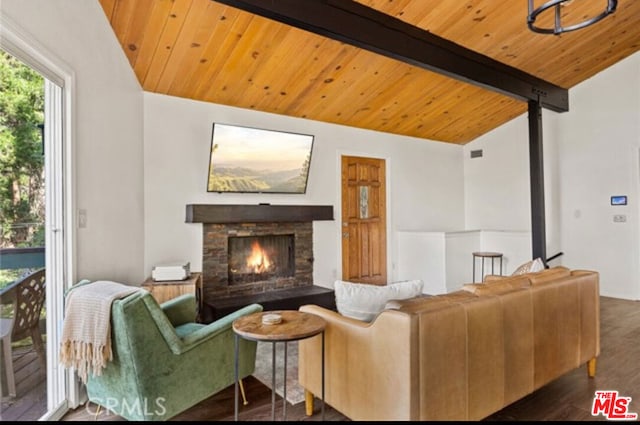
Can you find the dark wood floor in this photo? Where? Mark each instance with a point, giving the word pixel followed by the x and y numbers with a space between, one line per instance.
pixel 568 398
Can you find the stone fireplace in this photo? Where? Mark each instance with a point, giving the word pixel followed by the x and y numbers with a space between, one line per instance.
pixel 254 249
pixel 228 250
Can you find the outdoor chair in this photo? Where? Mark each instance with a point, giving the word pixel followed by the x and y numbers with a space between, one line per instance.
pixel 27 297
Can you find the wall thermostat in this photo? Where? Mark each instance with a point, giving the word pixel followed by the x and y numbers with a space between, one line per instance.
pixel 619 200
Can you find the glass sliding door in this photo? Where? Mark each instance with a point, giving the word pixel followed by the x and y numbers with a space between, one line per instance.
pixel 59 259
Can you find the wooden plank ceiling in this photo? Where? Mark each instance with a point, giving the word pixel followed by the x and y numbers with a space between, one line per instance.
pixel 204 50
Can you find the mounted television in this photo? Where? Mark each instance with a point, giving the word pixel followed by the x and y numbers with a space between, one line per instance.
pixel 253 160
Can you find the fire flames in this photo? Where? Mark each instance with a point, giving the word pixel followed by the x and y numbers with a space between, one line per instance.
pixel 258 261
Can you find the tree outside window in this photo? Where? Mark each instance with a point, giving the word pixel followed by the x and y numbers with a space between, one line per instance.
pixel 22 207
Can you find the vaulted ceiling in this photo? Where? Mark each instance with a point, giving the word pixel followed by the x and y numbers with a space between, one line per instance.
pixel 208 51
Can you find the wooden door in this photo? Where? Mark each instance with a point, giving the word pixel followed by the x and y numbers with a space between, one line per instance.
pixel 364 224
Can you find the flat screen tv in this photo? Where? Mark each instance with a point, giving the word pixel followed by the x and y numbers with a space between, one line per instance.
pixel 253 160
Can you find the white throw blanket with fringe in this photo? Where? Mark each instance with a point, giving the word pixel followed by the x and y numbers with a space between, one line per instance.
pixel 86 332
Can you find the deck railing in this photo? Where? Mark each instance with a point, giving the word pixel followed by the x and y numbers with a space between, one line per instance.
pixel 21 258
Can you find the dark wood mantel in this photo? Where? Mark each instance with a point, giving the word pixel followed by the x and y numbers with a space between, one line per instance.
pixel 260 213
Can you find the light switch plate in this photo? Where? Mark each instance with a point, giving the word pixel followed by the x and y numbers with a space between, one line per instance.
pixel 619 218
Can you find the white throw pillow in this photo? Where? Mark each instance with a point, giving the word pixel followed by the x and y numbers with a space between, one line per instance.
pixel 365 301
pixel 529 267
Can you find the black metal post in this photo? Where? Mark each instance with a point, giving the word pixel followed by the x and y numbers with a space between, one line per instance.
pixel 536 172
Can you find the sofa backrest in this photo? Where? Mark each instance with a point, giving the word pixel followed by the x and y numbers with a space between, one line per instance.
pixel 589 295
pixel 498 286
pixel 490 344
pixel 567 323
pixel 546 275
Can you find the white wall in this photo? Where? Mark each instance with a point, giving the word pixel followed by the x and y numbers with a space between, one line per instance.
pixel 444 260
pixel 514 245
pixel 460 263
pixel 590 153
pixel 422 255
pixel 599 151
pixel 500 177
pixel 107 139
pixel 425 179
pixel 497 194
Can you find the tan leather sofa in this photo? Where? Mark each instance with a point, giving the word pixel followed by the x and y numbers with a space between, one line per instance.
pixel 457 356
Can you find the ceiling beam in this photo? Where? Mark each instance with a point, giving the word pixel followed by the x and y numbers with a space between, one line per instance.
pixel 369 29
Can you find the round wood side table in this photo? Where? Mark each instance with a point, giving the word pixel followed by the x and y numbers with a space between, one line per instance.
pixel 295 325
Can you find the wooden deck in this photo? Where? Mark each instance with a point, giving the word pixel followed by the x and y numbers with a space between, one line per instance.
pixel 30 402
pixel 568 398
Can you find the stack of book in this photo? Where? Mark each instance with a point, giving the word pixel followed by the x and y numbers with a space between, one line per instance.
pixel 171 271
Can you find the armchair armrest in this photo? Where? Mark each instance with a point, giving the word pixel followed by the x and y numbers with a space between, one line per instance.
pixel 77 285
pixel 180 310
pixel 200 336
pixel 222 324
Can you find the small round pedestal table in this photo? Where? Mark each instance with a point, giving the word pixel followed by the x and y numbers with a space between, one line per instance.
pixel 294 325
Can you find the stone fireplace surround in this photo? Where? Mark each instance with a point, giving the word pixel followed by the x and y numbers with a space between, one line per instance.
pixel 215 257
pixel 219 222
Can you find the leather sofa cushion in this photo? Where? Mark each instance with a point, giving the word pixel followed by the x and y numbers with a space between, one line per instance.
pixel 409 304
pixel 543 275
pixel 498 286
pixel 427 302
pixel 548 275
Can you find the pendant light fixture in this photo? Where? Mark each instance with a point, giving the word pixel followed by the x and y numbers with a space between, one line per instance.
pixel 558 28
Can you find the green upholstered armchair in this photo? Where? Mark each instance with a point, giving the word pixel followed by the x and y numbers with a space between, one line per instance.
pixel 163 361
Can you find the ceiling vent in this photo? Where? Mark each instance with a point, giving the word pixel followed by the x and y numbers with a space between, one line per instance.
pixel 476 153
